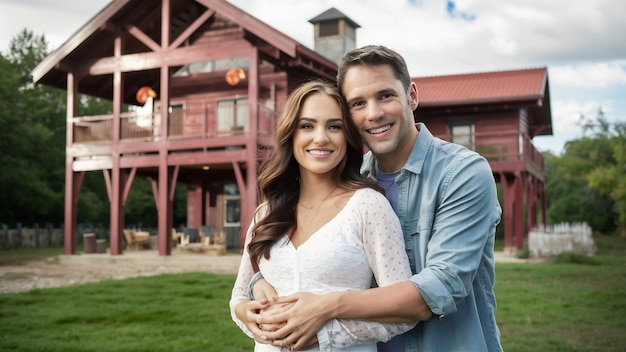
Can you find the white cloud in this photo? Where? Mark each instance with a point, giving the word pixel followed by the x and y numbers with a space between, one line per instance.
pixel 590 75
pixel 57 20
pixel 566 124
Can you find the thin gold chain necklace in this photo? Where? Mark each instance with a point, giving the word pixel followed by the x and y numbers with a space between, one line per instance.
pixel 318 207
pixel 309 207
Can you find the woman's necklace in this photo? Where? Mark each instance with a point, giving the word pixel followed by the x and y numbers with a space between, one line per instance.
pixel 317 206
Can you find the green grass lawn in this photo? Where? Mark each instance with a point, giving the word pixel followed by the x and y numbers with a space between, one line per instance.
pixel 575 304
pixel 183 312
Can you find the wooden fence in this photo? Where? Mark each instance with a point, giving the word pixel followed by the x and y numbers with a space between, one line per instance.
pixel 46 236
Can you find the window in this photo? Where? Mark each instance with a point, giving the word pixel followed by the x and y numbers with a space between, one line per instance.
pixel 463 135
pixel 232 211
pixel 232 115
pixel 212 66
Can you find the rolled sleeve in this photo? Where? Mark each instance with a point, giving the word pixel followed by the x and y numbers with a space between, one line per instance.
pixel 435 294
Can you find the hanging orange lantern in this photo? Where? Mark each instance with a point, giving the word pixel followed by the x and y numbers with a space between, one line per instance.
pixel 234 76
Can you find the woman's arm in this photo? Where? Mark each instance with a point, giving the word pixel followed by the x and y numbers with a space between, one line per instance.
pixel 244 311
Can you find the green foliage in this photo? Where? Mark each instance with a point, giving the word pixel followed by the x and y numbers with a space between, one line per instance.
pixel 609 179
pixel 523 253
pixel 576 192
pixel 573 258
pixel 93 204
pixel 32 125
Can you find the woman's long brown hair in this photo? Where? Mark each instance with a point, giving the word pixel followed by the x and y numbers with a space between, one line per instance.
pixel 278 182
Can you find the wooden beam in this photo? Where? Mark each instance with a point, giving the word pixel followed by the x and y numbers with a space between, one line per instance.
pixel 175 172
pixel 142 37
pixel 212 157
pixel 192 28
pixel 127 185
pixel 167 57
pixel 107 182
pixel 165 205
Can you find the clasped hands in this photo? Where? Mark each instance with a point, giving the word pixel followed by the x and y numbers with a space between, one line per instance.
pixel 290 322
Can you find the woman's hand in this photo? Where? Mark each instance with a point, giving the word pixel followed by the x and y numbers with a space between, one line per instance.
pixel 299 318
pixel 249 312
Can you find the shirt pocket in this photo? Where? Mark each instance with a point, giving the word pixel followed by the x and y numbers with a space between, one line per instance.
pixel 410 227
pixel 419 231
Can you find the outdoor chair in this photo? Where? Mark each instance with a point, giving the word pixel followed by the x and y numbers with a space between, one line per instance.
pixel 193 234
pixel 136 243
pixel 206 234
pixel 176 237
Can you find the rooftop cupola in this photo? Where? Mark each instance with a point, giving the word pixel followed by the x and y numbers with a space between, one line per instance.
pixel 335 34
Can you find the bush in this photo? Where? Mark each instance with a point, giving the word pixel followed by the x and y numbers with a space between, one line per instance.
pixel 523 253
pixel 574 258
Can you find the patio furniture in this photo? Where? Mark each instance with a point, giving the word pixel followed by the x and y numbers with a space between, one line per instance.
pixel 136 240
pixel 192 233
pixel 89 243
pixel 207 234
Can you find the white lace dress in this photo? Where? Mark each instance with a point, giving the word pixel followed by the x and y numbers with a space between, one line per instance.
pixel 363 239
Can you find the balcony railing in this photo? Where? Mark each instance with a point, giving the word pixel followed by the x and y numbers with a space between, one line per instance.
pixel 506 146
pixel 186 124
pixel 183 123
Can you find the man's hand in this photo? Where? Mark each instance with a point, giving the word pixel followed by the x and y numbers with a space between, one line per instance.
pixel 263 289
pixel 305 315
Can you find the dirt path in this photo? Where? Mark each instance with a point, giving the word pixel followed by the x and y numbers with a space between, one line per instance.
pixel 80 269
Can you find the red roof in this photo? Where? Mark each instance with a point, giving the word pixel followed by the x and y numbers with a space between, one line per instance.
pixel 488 87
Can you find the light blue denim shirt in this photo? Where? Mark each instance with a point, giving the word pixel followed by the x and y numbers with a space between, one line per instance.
pixel 448 208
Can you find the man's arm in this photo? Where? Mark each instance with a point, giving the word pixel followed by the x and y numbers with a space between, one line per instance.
pixel 397 303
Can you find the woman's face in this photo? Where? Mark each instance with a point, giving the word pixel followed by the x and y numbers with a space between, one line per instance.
pixel 319 143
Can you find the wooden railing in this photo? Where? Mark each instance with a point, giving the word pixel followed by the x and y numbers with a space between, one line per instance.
pixel 182 124
pixel 506 146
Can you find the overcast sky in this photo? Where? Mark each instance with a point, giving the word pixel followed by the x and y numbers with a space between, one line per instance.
pixel 582 43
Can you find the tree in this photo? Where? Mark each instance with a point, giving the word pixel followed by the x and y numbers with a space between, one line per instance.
pixel 570 197
pixel 609 179
pixel 29 154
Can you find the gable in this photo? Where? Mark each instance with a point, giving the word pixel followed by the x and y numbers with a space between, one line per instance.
pixel 199 31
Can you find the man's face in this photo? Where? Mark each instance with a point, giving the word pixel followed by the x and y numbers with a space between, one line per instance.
pixel 382 111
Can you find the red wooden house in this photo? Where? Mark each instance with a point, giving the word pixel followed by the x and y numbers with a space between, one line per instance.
pixel 497 114
pixel 206 81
